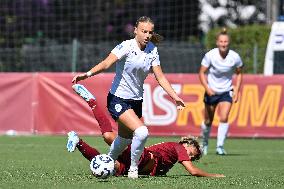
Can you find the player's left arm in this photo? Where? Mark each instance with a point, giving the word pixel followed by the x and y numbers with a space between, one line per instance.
pixel 194 171
pixel 239 78
pixel 164 83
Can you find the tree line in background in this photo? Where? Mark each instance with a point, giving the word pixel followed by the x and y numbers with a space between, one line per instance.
pixel 87 20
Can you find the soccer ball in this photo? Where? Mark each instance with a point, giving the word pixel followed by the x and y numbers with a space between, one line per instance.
pixel 102 166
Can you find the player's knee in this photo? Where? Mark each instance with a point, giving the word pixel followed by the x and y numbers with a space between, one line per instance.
pixel 224 119
pixel 142 133
pixel 109 137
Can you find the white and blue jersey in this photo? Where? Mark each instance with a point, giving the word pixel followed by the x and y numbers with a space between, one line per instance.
pixel 131 73
pixel 221 70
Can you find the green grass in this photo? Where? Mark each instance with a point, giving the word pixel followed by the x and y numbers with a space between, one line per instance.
pixel 43 162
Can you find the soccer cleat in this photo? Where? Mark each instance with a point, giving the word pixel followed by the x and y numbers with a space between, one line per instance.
pixel 73 140
pixel 83 92
pixel 205 150
pixel 220 150
pixel 133 173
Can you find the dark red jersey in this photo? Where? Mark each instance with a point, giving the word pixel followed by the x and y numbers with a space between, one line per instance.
pixel 165 154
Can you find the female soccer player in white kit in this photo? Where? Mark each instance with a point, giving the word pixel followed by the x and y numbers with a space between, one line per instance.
pixel 125 97
pixel 220 64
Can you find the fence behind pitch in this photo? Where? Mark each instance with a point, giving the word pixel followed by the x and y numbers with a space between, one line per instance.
pixel 56 35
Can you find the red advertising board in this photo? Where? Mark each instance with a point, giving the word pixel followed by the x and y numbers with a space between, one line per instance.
pixel 44 103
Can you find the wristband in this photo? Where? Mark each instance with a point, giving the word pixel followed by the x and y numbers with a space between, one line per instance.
pixel 89 74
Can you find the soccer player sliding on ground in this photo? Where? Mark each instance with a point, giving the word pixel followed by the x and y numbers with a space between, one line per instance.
pixel 155 160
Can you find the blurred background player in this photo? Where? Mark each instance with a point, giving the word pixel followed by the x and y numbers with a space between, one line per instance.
pixel 125 98
pixel 220 64
pixel 155 160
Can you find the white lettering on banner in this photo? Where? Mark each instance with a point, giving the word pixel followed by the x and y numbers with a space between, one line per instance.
pixel 161 102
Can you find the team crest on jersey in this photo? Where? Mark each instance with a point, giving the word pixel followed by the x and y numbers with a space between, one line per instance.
pixel 231 93
pixel 117 107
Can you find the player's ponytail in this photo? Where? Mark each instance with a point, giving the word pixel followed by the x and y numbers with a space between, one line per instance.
pixel 223 31
pixel 156 38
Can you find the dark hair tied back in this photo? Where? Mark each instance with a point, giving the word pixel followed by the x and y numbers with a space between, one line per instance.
pixel 156 38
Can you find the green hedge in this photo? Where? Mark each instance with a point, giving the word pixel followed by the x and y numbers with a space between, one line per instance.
pixel 244 40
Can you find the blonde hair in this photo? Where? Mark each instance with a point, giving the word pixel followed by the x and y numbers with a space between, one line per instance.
pixel 224 31
pixel 156 38
pixel 191 140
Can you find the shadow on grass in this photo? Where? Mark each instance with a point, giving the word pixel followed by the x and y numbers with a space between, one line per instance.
pixel 163 176
pixel 103 180
pixel 230 154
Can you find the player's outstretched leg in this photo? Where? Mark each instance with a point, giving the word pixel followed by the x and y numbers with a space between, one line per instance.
pixel 83 92
pixel 87 151
pixel 75 142
pixel 99 114
pixel 72 141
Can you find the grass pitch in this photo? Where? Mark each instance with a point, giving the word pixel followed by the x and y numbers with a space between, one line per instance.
pixel 43 162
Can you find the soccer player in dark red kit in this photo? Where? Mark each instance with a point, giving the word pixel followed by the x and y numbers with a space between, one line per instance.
pixel 155 160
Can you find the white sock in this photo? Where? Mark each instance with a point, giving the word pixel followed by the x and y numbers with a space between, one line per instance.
pixel 205 133
pixel 117 146
pixel 137 146
pixel 222 133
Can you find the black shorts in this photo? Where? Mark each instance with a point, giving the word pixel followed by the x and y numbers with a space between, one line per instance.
pixel 215 99
pixel 116 106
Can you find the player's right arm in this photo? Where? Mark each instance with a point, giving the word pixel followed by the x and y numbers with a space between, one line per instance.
pixel 103 65
pixel 203 80
pixel 117 53
pixel 194 171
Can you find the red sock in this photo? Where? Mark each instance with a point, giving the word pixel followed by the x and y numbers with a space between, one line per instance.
pixel 87 151
pixel 100 116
